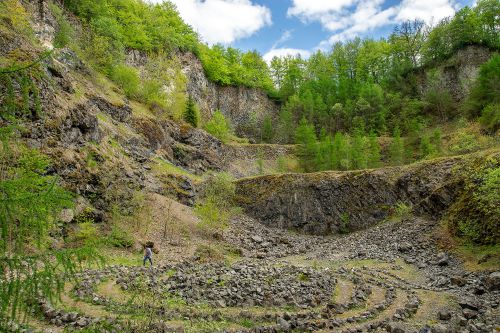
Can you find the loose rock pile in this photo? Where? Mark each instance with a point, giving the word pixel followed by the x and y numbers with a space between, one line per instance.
pixel 279 294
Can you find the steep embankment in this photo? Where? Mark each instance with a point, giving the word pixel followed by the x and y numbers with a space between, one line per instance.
pixel 457 74
pixel 331 202
pixel 245 107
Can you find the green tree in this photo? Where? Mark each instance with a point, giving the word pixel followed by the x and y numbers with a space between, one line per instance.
pixel 219 127
pixel 307 142
pixel 490 118
pixel 397 148
pixel 30 201
pixel 374 155
pixel 267 133
pixel 486 89
pixel 128 79
pixel 191 113
pixel 427 149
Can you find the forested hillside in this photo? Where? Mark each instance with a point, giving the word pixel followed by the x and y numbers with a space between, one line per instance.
pixel 354 190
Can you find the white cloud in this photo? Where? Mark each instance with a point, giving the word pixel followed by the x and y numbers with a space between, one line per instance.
pixel 427 10
pixel 286 36
pixel 314 9
pixel 283 52
pixel 223 21
pixel 350 18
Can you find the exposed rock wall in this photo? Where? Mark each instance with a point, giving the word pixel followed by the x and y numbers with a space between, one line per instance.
pixel 457 74
pixel 245 107
pixel 324 203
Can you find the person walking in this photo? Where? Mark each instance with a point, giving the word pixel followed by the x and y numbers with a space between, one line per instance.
pixel 148 254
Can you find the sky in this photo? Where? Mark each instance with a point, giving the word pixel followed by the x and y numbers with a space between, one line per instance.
pixel 282 27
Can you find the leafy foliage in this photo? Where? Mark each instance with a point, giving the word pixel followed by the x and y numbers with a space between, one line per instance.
pixel 191 113
pixel 127 78
pixel 375 82
pixel 219 127
pixel 29 206
pixel 116 25
pixel 475 215
pixel 217 203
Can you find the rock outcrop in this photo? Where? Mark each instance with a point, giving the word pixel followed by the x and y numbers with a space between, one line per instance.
pixel 457 74
pixel 332 202
pixel 244 107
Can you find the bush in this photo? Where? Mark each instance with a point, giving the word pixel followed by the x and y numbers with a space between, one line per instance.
pixel 64 30
pixel 490 118
pixel 464 143
pixel 344 227
pixel 486 89
pixel 213 219
pixel 476 214
pixel 219 127
pixel 191 113
pixel 127 78
pixel 216 205
pixel 86 233
pixel 118 237
pixel 402 210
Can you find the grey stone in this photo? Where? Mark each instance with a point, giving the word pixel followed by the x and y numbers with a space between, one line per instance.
pixel 439 328
pixel 444 315
pixel 492 281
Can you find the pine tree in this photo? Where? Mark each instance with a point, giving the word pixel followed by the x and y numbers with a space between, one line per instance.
pixel 374 155
pixel 267 130
pixel 191 114
pixel 426 147
pixel 30 201
pixel 397 148
pixel 305 137
pixel 338 147
pixel 358 154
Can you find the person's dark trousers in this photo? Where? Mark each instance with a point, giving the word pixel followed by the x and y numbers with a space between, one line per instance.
pixel 147 258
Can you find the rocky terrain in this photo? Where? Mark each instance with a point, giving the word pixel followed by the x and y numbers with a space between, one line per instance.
pixel 318 203
pixel 390 278
pixel 321 252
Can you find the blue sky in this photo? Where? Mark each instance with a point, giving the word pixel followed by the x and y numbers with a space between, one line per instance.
pixel 280 27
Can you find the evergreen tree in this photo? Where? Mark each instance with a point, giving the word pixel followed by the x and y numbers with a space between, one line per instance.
pixel 30 201
pixel 397 148
pixel 191 113
pixel 340 152
pixel 374 155
pixel 426 147
pixel 307 149
pixel 267 130
pixel 358 154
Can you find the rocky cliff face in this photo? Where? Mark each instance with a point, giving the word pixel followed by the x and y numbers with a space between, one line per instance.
pixel 457 74
pixel 328 202
pixel 245 107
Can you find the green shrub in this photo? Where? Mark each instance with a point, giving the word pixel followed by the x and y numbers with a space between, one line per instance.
pixel 191 113
pixel 127 78
pixel 490 118
pixel 118 237
pixel 153 94
pixel 213 219
pixel 221 189
pixel 216 204
pixel 427 149
pixel 64 32
pixel 219 127
pixel 344 227
pixel 475 215
pixel 402 210
pixel 86 233
pixel 463 143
